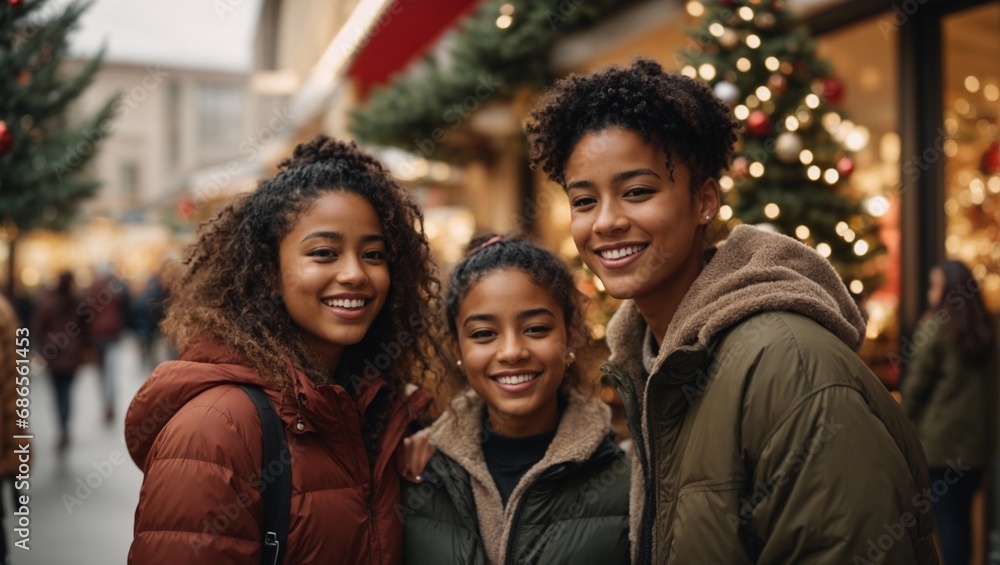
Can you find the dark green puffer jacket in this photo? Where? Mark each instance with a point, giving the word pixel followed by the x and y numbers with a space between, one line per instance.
pixel 760 435
pixel 947 397
pixel 571 507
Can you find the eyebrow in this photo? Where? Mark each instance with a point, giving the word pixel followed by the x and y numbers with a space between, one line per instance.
pixel 523 315
pixel 618 177
pixel 336 236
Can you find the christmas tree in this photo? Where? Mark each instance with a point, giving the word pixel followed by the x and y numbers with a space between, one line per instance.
pixel 794 160
pixel 41 155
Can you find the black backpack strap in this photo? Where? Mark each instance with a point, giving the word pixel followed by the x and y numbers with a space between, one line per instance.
pixel 276 480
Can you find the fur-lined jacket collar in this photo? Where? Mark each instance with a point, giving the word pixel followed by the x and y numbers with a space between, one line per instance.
pixel 585 422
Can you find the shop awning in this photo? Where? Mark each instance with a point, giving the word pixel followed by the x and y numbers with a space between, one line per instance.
pixel 406 30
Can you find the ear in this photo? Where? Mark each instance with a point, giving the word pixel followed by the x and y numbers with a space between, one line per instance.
pixel 457 352
pixel 708 200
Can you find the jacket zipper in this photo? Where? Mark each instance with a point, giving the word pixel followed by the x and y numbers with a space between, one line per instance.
pixel 632 403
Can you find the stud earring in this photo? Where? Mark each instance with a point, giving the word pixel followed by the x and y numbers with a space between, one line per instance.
pixel 570 358
pixel 458 363
pixel 709 218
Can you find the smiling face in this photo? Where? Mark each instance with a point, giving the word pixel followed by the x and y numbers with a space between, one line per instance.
pixel 334 273
pixel 513 344
pixel 637 228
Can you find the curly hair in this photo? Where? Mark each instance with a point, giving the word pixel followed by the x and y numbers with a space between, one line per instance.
pixel 488 253
pixel 228 285
pixel 680 114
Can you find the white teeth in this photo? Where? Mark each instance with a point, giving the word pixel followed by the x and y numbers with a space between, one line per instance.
pixel 514 379
pixel 623 252
pixel 345 303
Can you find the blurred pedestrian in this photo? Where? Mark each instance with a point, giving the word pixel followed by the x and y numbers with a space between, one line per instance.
pixel 11 379
pixel 59 332
pixel 105 310
pixel 147 313
pixel 315 289
pixel 525 438
pixel 760 435
pixel 947 393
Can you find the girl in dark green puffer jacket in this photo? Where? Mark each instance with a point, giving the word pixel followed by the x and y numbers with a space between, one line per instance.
pixel 525 469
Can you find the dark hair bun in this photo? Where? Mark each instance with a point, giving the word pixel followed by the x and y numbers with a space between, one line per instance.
pixel 323 148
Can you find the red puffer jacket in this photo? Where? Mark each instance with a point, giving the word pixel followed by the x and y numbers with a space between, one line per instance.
pixel 197 437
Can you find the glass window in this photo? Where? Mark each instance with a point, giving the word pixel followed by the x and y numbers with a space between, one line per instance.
pixel 220 121
pixel 971 91
pixel 865 57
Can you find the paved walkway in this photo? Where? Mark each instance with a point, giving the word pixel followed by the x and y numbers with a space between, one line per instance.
pixel 82 504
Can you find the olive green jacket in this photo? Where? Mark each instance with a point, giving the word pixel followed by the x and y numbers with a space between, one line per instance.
pixel 947 397
pixel 571 507
pixel 760 435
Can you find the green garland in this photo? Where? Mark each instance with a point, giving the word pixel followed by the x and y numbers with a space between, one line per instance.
pixel 419 110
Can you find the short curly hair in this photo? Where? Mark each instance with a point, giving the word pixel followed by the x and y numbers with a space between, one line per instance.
pixel 680 114
pixel 228 286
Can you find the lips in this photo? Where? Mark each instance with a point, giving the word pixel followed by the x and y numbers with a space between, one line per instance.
pixel 348 306
pixel 618 256
pixel 515 382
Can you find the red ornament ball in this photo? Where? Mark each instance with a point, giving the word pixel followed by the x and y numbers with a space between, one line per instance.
pixel 759 123
pixel 6 138
pixel 991 159
pixel 741 167
pixel 15 3
pixel 777 83
pixel 833 90
pixel 845 166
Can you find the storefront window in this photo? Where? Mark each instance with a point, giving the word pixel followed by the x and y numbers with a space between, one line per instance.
pixel 971 91
pixel 864 56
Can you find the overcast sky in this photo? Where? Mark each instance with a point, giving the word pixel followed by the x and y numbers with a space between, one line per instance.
pixel 201 34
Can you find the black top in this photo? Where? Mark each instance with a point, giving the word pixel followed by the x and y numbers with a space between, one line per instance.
pixel 509 458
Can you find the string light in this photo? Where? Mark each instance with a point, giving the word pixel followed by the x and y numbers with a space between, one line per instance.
pixel 757 170
pixel 726 213
pixel 812 101
pixel 802 232
pixel 716 29
pixel 746 13
pixel 857 287
pixel 814 173
pixel 860 247
pixel 841 228
pixel 696 9
pixel 689 71
pixel 791 124
pixel 772 211
pixel 753 41
pixel 849 236
pixel 743 64
pixel 824 249
pixel 726 183
pixel 764 93
pixel 991 92
pixel 806 157
pixel 772 63
pixel 831 176
pixel 972 83
pixel 741 112
pixel 504 21
pixel 706 71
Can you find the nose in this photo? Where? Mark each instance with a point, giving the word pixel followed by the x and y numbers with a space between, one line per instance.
pixel 352 271
pixel 609 218
pixel 512 349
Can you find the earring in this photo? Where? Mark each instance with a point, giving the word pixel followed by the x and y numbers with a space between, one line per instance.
pixel 570 358
pixel 708 218
pixel 458 363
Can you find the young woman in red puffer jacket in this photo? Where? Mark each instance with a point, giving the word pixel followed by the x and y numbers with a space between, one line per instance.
pixel 317 287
